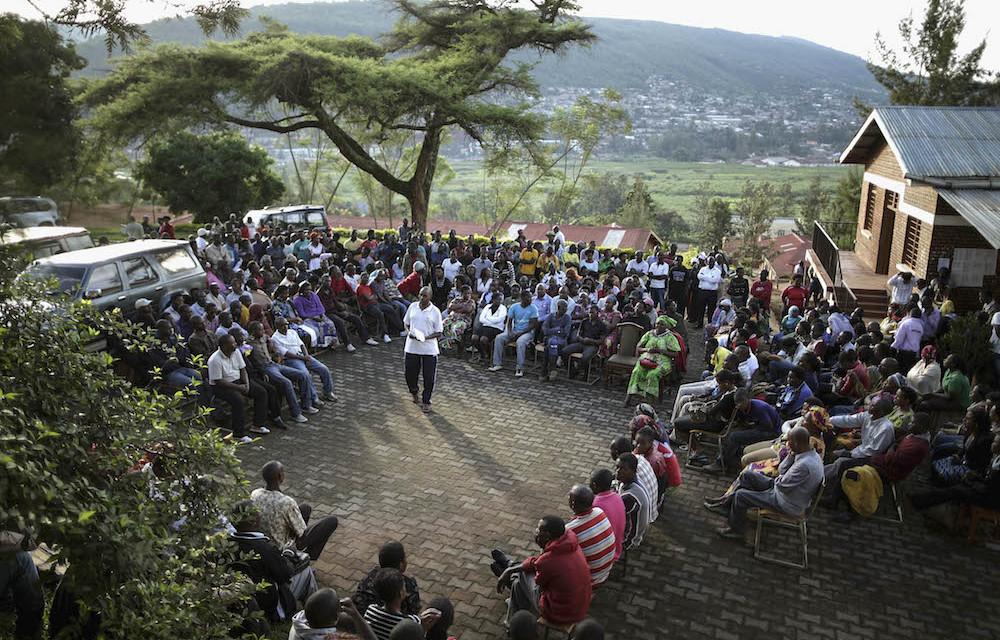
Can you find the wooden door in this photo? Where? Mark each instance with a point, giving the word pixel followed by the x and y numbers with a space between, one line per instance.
pixel 885 241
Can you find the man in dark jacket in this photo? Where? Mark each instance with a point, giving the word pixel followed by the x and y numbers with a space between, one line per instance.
pixel 262 561
pixel 554 584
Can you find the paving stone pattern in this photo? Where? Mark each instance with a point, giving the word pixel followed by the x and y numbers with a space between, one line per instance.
pixel 499 452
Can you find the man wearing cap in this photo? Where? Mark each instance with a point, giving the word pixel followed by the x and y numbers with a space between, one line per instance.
pixel 410 286
pixel 143 314
pixel 658 273
pixel 201 242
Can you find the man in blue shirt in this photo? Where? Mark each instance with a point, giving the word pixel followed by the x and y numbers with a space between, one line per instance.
pixel 556 331
pixel 756 421
pixel 522 319
pixel 794 395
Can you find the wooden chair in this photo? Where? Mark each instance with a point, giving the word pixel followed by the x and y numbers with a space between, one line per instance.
pixel 788 522
pixel 709 439
pixel 564 629
pixel 590 366
pixel 896 510
pixel 977 514
pixel 629 334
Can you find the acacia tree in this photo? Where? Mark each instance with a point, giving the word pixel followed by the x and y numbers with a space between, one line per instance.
pixel 444 65
pixel 929 70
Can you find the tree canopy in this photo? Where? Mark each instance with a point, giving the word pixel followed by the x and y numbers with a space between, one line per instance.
pixel 445 65
pixel 929 70
pixel 211 175
pixel 38 138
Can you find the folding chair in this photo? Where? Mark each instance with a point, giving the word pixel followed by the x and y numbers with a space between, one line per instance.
pixel 788 522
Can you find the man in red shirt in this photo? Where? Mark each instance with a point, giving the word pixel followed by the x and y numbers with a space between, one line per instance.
pixel 410 285
pixel 556 583
pixel 794 295
pixel 167 229
pixel 761 289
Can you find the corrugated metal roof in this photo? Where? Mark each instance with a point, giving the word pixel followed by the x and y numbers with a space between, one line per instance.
pixel 941 142
pixel 981 207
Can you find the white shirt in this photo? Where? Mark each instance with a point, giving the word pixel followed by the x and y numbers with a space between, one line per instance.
pixel 748 368
pixel 315 253
pixel 709 278
pixel 201 243
pixel 561 237
pixel 222 368
pixel 218 300
pixel 495 320
pixel 657 269
pixel 559 277
pixel 289 342
pixel 640 267
pixel 451 268
pixel 426 321
pixel 352 281
pixel 591 266
pixel 876 435
pixel 901 291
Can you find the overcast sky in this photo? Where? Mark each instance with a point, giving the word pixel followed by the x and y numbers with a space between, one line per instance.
pixel 848 25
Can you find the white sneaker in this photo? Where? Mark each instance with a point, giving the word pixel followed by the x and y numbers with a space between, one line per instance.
pixel 311 410
pixel 402 334
pixel 300 418
pixel 244 440
pixel 386 339
pixel 559 362
pixel 317 403
pixel 470 349
pixel 518 373
pixel 260 430
pixel 495 367
pixel 351 348
pixel 371 342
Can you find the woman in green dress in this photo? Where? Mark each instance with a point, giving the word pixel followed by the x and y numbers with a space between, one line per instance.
pixel 656 352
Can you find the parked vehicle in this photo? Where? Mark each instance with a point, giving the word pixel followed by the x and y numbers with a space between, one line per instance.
pixel 117 275
pixel 299 216
pixel 42 242
pixel 28 211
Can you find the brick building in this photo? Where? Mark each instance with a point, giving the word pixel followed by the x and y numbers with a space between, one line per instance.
pixel 930 199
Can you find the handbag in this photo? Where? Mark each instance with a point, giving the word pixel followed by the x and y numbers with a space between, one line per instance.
pixel 648 363
pixel 297 560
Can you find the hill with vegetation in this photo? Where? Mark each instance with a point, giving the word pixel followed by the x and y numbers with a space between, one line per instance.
pixel 628 53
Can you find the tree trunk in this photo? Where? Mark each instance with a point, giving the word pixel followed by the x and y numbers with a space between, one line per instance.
pixel 423 177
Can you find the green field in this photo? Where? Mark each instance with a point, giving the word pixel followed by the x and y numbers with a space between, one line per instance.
pixel 674 185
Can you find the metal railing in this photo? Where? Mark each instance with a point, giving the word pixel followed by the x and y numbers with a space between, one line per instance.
pixel 830 237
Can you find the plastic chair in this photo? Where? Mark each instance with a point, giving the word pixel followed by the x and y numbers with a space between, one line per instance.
pixel 788 522
pixel 629 334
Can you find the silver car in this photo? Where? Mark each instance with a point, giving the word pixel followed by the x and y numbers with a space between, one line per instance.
pixel 29 211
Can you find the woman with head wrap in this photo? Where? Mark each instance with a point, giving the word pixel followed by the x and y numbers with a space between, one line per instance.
pixel 656 350
pixel 925 376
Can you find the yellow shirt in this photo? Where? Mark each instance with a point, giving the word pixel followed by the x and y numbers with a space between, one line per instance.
pixel 529 260
pixel 353 245
pixel 544 260
pixel 571 258
pixel 718 358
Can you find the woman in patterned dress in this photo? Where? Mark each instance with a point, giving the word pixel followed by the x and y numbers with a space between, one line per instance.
pixel 656 351
pixel 610 316
pixel 459 319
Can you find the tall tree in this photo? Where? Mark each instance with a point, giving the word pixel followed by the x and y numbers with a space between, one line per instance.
pixel 444 65
pixel 716 223
pixel 639 207
pixel 756 211
pixel 212 175
pixel 672 227
pixel 815 205
pixel 929 70
pixel 38 139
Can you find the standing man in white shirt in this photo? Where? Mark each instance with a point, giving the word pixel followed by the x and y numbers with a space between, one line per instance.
pixel 709 278
pixel 558 236
pixel 637 266
pixel 423 328
pixel 658 273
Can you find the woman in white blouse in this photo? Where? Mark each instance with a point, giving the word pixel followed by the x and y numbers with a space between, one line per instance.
pixel 925 376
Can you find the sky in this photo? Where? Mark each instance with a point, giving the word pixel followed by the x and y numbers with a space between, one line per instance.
pixel 847 25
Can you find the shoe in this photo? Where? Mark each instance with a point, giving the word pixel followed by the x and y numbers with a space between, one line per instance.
pixel 351 348
pixel 553 375
pixel 501 560
pixel 260 430
pixel 311 410
pixel 495 568
pixel 715 467
pixel 278 423
pixel 402 334
pixel 495 367
pixel 244 440
pixel 699 461
pixel 717 509
pixel 729 533
pixel 329 397
pixel 470 349
pixel 416 399
pixel 386 339
pixel 371 342
pixel 427 408
pixel 559 362
pixel 300 418
pixel 518 374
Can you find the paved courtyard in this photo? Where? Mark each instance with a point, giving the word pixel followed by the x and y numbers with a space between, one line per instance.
pixel 498 452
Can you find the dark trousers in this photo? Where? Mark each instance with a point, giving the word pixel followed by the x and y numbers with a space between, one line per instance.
pixel 355 320
pixel 386 315
pixel 737 440
pixel 906 359
pixel 314 538
pixel 586 351
pixel 238 403
pixel 414 364
pixel 704 300
pixel 274 393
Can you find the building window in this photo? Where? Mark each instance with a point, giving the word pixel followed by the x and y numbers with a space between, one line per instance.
pixel 870 207
pixel 892 200
pixel 911 242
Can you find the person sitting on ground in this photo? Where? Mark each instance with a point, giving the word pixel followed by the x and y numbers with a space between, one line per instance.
pixel 874 434
pixel 439 631
pixel 955 389
pixel 554 584
pixel 593 532
pixel 318 620
pixel 288 582
pixel 646 477
pixel 974 456
pixel 634 498
pixel 981 489
pixel 392 555
pixel 799 477
pixel 608 501
pixel 645 446
pixel 555 332
pixel 285 521
pixel 384 616
pixel 656 349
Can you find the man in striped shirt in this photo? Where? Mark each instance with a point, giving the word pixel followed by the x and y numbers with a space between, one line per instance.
pixel 593 532
pixel 645 477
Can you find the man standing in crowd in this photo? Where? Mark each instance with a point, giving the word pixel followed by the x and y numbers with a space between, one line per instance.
pixel 709 278
pixel 423 328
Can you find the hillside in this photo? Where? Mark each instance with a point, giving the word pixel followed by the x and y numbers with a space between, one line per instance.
pixel 629 52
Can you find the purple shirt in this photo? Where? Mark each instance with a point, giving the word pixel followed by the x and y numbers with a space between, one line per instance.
pixel 308 307
pixel 908 335
pixel 930 322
